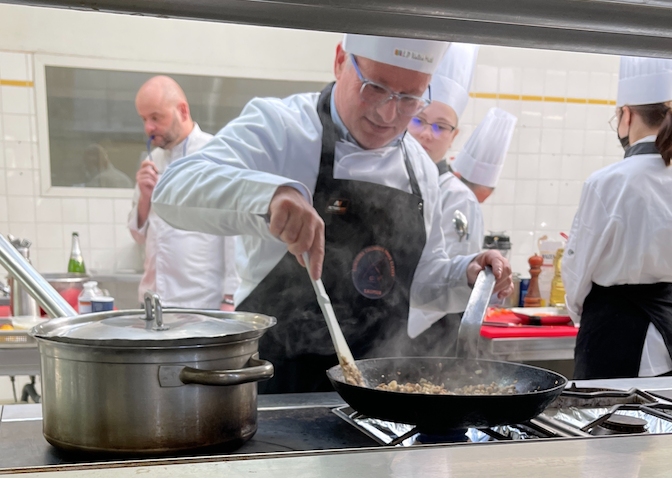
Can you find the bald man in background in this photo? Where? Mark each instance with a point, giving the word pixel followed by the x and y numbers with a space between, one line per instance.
pixel 187 269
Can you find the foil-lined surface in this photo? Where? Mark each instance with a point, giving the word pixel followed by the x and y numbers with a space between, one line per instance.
pixel 385 432
pixel 580 417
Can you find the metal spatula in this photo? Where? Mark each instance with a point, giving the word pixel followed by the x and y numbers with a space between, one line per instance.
pixel 470 326
pixel 351 373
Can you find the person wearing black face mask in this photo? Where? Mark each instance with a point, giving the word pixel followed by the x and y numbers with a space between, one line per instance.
pixel 617 266
pixel 618 116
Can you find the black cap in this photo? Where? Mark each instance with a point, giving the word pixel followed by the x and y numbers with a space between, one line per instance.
pixel 497 241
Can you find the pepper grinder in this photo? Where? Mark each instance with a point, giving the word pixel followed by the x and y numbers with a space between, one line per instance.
pixel 533 297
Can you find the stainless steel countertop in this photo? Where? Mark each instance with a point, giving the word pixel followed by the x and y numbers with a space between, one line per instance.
pixel 621 456
pixel 117 277
pixel 646 456
pixel 521 349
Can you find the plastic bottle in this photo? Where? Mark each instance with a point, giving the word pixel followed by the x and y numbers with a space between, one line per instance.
pixel 557 288
pixel 90 291
pixel 76 263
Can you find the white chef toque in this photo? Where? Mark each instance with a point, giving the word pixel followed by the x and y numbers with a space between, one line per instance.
pixel 412 54
pixel 452 79
pixel 644 81
pixel 482 158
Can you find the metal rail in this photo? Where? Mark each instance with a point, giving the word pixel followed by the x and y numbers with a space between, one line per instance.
pixel 37 286
pixel 635 27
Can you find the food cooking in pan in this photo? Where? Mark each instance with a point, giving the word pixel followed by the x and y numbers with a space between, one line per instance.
pixel 427 387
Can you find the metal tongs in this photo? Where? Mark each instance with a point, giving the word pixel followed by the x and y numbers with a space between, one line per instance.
pixel 351 373
pixel 469 332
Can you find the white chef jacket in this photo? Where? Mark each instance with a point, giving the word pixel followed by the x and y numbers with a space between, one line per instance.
pixel 187 269
pixel 455 196
pixel 621 235
pixel 226 188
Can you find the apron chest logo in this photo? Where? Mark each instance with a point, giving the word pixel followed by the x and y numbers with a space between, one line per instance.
pixel 337 206
pixel 373 272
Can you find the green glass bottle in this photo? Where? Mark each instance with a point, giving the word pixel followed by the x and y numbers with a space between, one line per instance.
pixel 76 263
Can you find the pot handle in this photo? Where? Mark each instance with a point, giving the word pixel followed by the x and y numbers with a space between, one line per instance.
pixel 175 376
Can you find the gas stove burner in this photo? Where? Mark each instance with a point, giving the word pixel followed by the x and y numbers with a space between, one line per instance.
pixel 583 397
pixel 620 425
pixel 451 436
pixel 584 390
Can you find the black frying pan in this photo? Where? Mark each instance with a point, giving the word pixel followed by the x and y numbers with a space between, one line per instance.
pixel 536 387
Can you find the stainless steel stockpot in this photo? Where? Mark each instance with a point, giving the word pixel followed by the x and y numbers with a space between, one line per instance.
pixel 151 381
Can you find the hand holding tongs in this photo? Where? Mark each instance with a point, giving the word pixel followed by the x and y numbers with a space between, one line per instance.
pixel 351 373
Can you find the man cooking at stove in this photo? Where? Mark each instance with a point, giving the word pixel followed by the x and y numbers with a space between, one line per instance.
pixel 617 268
pixel 332 174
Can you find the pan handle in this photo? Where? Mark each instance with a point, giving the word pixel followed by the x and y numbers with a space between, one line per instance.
pixel 178 375
pixel 469 332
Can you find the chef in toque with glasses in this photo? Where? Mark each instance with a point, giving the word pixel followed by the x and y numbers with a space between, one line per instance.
pixel 332 174
pixel 435 128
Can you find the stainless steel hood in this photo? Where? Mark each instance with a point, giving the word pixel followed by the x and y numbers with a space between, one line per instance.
pixel 636 27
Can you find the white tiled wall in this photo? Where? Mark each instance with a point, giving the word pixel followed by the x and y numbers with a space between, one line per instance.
pixel 556 145
pixel 49 221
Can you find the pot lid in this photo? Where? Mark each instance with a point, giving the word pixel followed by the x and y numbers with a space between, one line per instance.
pixel 155 326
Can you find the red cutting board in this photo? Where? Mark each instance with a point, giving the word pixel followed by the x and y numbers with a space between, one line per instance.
pixel 501 315
pixel 544 331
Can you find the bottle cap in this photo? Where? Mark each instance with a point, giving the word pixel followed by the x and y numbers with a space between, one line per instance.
pixel 90 284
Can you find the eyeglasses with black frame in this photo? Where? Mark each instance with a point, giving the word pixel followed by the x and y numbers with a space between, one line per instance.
pixel 376 94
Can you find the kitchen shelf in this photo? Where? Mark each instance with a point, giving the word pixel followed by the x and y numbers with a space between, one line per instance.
pixel 632 27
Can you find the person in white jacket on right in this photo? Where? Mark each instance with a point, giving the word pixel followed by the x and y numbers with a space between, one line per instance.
pixel 617 265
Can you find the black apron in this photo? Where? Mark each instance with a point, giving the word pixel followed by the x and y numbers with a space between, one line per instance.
pixel 374 237
pixel 615 320
pixel 443 167
pixel 440 340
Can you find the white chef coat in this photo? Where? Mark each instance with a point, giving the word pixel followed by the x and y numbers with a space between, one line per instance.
pixel 455 196
pixel 621 235
pixel 187 269
pixel 226 188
